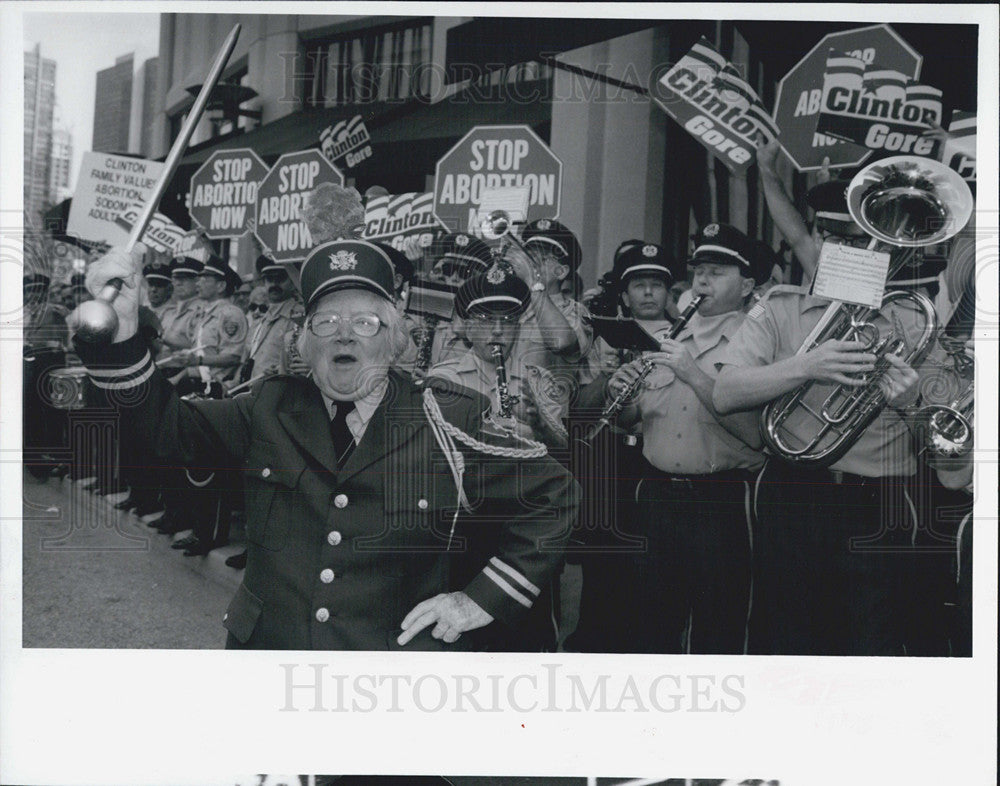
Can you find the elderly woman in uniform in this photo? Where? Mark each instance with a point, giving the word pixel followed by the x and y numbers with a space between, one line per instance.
pixel 355 478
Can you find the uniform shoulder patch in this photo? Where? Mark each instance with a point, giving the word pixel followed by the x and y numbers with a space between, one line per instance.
pixel 757 311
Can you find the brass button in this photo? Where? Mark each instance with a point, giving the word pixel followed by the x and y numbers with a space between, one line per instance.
pixel 322 615
pixel 334 538
pixel 326 576
pixel 340 500
pixel 422 504
pixel 266 472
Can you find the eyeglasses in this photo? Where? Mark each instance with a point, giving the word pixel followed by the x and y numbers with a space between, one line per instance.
pixel 262 307
pixel 326 325
pixel 278 277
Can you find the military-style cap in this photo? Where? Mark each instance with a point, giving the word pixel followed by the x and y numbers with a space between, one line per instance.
pixel 346 264
pixel 265 264
pixel 216 267
pixel 499 292
pixel 462 251
pixel 829 200
pixel 555 236
pixel 157 271
pixel 186 266
pixel 401 264
pixel 642 259
pixel 723 244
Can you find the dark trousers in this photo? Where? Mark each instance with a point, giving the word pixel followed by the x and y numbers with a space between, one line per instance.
pixel 606 543
pixel 694 577
pixel 832 559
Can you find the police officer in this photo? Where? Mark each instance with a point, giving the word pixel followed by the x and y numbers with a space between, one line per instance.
pixel 159 288
pixel 266 342
pixel 349 515
pixel 828 552
pixel 181 315
pixel 220 333
pixel 694 579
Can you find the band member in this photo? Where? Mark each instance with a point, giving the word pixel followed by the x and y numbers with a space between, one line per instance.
pixel 461 257
pixel 694 578
pixel 350 516
pixel 554 334
pixel 490 306
pixel 829 551
pixel 266 342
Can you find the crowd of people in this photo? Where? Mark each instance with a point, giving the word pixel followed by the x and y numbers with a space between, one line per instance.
pixel 408 474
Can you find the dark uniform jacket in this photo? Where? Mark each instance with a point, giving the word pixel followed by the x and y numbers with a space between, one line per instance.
pixel 336 559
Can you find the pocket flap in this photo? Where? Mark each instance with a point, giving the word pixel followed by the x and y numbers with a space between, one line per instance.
pixel 241 616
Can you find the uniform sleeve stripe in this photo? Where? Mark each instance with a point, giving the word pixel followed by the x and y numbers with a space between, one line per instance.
pixel 124 384
pixel 518 577
pixel 496 579
pixel 121 372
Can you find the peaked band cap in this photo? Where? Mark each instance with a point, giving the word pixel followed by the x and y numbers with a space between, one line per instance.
pixel 346 264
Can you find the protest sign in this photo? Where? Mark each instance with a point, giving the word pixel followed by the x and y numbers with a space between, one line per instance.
pixel 707 96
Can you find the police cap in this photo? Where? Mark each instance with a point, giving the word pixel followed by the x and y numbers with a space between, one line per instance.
pixel 556 237
pixel 346 264
pixel 497 292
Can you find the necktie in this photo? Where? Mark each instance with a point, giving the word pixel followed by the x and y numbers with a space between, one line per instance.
pixel 343 440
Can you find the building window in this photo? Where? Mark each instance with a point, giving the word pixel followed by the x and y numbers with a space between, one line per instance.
pixel 380 64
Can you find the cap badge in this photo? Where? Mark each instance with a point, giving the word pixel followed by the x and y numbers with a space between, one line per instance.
pixel 649 251
pixel 711 230
pixel 343 260
pixel 544 224
pixel 461 241
pixel 496 275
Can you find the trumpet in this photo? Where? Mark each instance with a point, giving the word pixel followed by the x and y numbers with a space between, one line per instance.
pixel 498 225
pixel 904 202
pixel 948 430
pixel 613 410
pixel 507 401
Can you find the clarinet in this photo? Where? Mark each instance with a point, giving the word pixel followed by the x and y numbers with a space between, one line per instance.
pixel 618 403
pixel 425 347
pixel 507 401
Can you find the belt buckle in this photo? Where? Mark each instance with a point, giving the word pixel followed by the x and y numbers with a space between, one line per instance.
pixel 838 476
pixel 682 483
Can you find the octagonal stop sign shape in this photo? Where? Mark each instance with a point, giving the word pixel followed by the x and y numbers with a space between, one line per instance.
pixel 278 223
pixel 496 157
pixel 224 192
pixel 796 108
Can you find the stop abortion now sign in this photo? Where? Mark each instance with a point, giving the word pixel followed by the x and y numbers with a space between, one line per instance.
pixel 224 192
pixel 279 225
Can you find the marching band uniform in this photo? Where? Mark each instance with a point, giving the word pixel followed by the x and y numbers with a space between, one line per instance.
pixel 461 257
pixel 340 551
pixel 551 235
pixel 694 577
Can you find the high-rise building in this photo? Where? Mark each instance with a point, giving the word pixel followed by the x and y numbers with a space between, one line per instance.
pixel 113 106
pixel 140 135
pixel 59 164
pixel 39 105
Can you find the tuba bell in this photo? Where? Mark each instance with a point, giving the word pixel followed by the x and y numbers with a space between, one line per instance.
pixel 903 202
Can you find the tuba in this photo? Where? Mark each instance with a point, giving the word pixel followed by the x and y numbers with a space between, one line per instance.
pixel 905 202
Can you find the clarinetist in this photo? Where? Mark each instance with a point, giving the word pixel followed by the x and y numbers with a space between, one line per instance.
pixel 693 580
